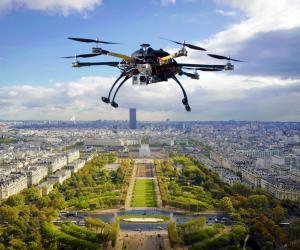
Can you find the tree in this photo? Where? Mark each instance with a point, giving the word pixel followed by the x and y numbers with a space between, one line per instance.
pixel 266 233
pixel 241 189
pixel 258 202
pixel 173 234
pixel 278 214
pixel 15 200
pixel 226 205
pixel 9 214
pixel 17 244
pixel 31 194
pixel 57 199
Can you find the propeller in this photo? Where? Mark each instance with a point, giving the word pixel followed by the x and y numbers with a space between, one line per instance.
pixel 82 56
pixel 224 58
pixel 86 40
pixel 191 46
pixel 205 69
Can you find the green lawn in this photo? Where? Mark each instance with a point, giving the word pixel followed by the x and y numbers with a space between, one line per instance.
pixel 143 194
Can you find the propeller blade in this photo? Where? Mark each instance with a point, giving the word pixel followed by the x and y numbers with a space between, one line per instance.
pixel 204 69
pixel 82 56
pixel 87 40
pixel 191 46
pixel 224 58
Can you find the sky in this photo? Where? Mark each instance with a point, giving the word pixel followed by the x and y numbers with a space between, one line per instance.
pixel 35 83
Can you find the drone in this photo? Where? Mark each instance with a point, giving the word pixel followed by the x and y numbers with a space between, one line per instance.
pixel 147 66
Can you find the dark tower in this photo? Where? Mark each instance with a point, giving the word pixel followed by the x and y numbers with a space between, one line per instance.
pixel 132 118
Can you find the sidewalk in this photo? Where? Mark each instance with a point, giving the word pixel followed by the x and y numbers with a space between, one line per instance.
pixel 130 188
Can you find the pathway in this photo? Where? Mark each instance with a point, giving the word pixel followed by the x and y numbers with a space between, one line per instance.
pixel 130 188
pixel 157 192
pixel 146 240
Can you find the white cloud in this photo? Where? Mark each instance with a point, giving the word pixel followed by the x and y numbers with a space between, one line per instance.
pixel 261 16
pixel 216 96
pixel 64 7
pixel 168 2
pixel 225 13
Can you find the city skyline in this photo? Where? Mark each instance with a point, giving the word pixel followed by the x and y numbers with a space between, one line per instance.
pixel 36 85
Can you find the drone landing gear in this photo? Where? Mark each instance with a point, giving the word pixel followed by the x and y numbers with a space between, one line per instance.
pixel 185 101
pixel 107 99
pixel 113 103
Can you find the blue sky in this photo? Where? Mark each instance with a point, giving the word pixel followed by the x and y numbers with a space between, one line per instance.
pixel 35 40
pixel 36 84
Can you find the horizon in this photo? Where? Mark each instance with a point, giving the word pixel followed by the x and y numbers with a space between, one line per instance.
pixel 155 121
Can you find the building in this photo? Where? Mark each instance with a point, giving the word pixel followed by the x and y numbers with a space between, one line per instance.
pixel 277 160
pixel 56 163
pixel 75 165
pixel 59 177
pixel 132 118
pixel 133 141
pixel 73 155
pixel 36 174
pixel 104 142
pixel 161 141
pixel 144 151
pixel 13 185
pixel 281 193
pixel 45 188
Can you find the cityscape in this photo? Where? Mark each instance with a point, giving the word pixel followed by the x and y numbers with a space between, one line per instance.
pixel 149 125
pixel 258 155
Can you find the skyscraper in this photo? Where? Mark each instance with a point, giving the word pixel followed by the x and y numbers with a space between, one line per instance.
pixel 132 118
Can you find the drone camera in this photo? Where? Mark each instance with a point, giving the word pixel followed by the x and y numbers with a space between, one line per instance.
pixel 143 79
pixel 140 79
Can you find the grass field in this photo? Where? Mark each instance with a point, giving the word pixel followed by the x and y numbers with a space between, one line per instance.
pixel 143 194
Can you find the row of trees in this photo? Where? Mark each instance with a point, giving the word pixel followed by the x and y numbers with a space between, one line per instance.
pixel 26 218
pixel 95 187
pixel 197 235
pixel 186 183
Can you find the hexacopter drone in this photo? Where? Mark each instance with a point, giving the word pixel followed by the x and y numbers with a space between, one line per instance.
pixel 146 66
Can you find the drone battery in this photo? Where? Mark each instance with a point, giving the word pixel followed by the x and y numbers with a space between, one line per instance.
pixel 135 80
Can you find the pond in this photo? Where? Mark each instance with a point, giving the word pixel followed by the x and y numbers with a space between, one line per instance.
pixel 178 217
pixel 143 227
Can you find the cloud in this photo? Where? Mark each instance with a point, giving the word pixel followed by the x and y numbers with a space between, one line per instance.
pixel 267 37
pixel 261 16
pixel 225 13
pixel 272 53
pixel 64 7
pixel 217 96
pixel 167 2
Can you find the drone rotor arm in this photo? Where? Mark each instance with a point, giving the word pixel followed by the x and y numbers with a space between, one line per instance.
pixel 198 66
pixel 122 56
pixel 87 64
